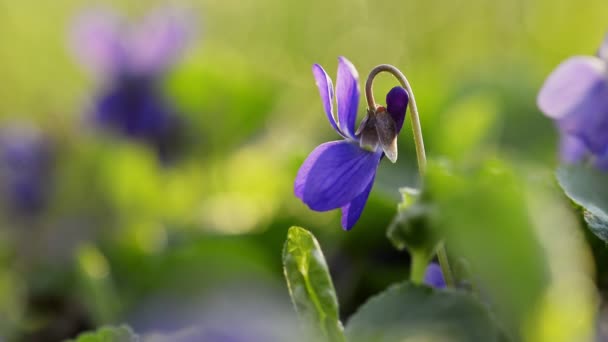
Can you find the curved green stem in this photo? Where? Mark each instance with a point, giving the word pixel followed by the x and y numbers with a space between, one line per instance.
pixel 416 128
pixel 418 141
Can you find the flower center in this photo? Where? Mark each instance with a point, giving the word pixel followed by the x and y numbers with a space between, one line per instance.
pixel 378 129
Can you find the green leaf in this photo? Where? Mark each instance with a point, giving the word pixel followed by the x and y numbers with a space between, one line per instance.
pixel 588 188
pixel 484 217
pixel 109 334
pixel 408 312
pixel 310 285
pixel 97 284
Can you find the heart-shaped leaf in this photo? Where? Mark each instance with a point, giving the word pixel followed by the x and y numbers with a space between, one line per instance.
pixel 408 312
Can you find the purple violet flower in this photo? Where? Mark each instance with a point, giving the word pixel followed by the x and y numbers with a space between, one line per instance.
pixel 133 59
pixel 340 174
pixel 25 168
pixel 433 276
pixel 575 95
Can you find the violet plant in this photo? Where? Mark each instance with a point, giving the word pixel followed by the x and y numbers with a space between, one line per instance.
pixel 452 207
pixel 340 174
pixel 131 61
pixel 575 97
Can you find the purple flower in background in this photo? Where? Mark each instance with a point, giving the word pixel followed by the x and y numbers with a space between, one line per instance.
pixel 575 95
pixel 340 174
pixel 132 59
pixel 25 168
pixel 433 276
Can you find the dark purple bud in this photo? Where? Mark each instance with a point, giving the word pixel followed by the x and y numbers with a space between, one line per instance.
pixel 397 100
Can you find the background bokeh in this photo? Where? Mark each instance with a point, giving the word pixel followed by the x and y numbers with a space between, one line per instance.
pixel 126 238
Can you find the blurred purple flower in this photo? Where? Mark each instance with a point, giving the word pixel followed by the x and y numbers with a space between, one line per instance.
pixel 433 276
pixel 25 168
pixel 109 45
pixel 340 174
pixel 575 95
pixel 133 59
pixel 135 107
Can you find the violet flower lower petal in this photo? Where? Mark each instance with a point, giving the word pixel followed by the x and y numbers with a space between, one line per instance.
pixel 334 174
pixel 568 84
pixel 396 105
pixel 326 90
pixel 347 96
pixel 133 108
pixel 353 210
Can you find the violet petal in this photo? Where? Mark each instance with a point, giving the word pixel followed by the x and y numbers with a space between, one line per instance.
pixel 396 104
pixel 572 149
pixel 96 41
pixel 133 107
pixel 568 84
pixel 353 210
pixel 327 94
pixel 433 276
pixel 347 96
pixel 588 119
pixel 158 40
pixel 601 162
pixel 334 174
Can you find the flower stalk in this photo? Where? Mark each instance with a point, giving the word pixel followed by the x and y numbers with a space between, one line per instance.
pixel 416 128
pixel 420 260
pixel 420 155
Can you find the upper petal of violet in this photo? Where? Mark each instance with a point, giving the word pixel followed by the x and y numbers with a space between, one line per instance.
pixel 96 41
pixel 334 174
pixel 352 211
pixel 569 84
pixel 327 94
pixel 159 40
pixel 396 104
pixel 347 96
